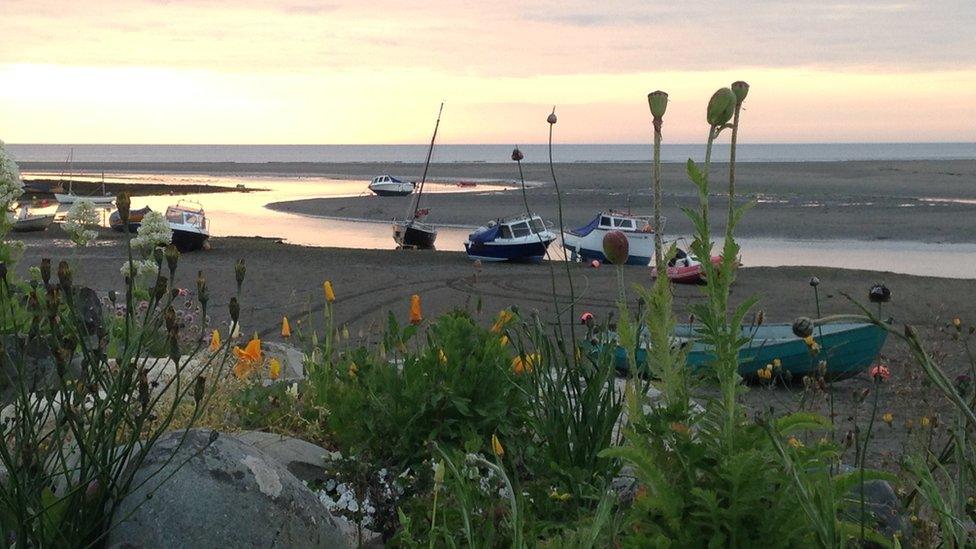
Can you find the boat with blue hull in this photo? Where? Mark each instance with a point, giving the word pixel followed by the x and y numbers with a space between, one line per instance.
pixel 586 242
pixel 847 348
pixel 520 238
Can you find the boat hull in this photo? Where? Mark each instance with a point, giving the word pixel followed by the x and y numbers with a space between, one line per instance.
pixel 33 224
pixel 590 246
pixel 848 350
pixel 414 235
pixel 189 241
pixel 387 192
pixel 523 252
pixel 72 198
pixel 692 274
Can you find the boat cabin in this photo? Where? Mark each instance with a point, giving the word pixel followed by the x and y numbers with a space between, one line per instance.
pixel 613 221
pixel 520 227
pixel 386 179
pixel 186 216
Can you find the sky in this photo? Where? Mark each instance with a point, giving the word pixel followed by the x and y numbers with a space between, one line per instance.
pixel 306 71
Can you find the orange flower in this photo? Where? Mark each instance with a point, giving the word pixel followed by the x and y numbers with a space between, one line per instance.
pixel 274 369
pixel 496 446
pixel 329 293
pixel 504 317
pixel 214 341
pixel 248 358
pixel 415 315
pixel 794 442
pixel 285 327
pixel 525 363
pixel 503 340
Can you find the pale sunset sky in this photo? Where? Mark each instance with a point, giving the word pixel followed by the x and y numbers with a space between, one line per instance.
pixel 307 71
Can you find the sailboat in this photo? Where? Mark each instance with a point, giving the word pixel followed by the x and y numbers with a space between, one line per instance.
pixel 25 221
pixel 412 232
pixel 70 197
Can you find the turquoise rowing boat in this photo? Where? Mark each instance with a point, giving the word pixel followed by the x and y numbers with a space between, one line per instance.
pixel 848 349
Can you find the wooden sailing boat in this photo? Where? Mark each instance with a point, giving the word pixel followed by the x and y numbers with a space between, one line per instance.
pixel 412 232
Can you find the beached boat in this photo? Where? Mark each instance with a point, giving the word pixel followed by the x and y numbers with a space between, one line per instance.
pixel 189 224
pixel 586 242
pixel 685 269
pixel 412 231
pixel 26 222
pixel 387 185
pixel 520 238
pixel 848 349
pixel 135 220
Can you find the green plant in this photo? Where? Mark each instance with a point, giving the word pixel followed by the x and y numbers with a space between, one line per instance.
pixel 80 417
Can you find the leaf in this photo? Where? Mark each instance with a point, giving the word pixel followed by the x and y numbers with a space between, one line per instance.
pixel 801 421
pixel 694 173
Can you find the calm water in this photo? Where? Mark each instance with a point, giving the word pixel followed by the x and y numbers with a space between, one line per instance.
pixel 244 214
pixel 812 152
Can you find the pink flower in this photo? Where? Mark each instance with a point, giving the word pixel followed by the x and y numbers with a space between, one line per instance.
pixel 879 372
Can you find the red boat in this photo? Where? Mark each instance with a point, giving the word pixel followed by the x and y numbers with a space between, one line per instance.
pixel 687 271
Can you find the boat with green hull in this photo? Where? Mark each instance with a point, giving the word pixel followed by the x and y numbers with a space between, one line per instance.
pixel 847 348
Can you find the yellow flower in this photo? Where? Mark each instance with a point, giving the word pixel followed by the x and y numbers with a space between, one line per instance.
pixel 214 341
pixel 441 357
pixel 439 470
pixel 525 363
pixel 285 327
pixel 957 322
pixel 345 332
pixel 274 369
pixel 503 340
pixel 248 358
pixel 888 418
pixel 353 369
pixel 794 442
pixel 766 373
pixel 560 496
pixel 496 446
pixel 926 421
pixel 504 317
pixel 777 363
pixel 416 317
pixel 327 290
pixel 812 345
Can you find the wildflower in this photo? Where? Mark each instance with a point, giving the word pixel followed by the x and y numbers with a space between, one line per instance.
pixel 247 358
pixel 503 341
pixel 586 317
pixel 777 364
pixel 814 281
pixel 957 322
pixel 525 363
pixel 556 495
pixel 888 418
pixel 439 471
pixel 812 345
pixel 353 370
pixel 327 289
pixel 551 119
pixel 766 373
pixel 504 317
pixel 517 155
pixel 925 422
pixel 441 357
pixel 879 373
pixel 496 446
pixel 215 341
pixel 415 315
pixel 794 442
pixel 292 390
pixel 274 369
pixel 285 327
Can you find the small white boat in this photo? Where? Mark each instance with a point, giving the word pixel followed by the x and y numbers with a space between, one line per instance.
pixel 189 224
pixel 520 238
pixel 387 185
pixel 71 198
pixel 586 242
pixel 26 222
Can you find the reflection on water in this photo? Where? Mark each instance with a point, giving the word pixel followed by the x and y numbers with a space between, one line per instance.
pixel 244 214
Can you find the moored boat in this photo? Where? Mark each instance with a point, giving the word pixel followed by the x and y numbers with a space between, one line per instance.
pixel 685 269
pixel 847 348
pixel 586 242
pixel 412 231
pixel 519 238
pixel 387 185
pixel 135 220
pixel 189 224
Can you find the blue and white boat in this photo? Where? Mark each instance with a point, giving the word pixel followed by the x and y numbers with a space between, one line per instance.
pixel 520 238
pixel 586 242
pixel 387 185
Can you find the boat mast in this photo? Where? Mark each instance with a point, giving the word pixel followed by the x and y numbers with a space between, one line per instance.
pixel 423 179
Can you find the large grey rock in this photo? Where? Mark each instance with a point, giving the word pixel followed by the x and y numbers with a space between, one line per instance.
pixel 292 359
pixel 303 459
pixel 227 494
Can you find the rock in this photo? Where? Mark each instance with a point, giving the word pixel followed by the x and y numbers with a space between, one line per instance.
pixel 227 494
pixel 307 462
pixel 880 502
pixel 89 309
pixel 292 360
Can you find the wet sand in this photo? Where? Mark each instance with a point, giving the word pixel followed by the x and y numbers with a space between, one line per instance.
pixel 286 280
pixel 815 200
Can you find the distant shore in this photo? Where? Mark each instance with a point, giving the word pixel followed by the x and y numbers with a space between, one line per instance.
pixel 86 188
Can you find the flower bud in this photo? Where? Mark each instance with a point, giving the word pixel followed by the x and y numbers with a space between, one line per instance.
pixel 158 256
pixel 169 315
pixel 112 296
pixel 239 270
pixel 741 90
pixel 803 327
pixel 234 308
pixel 814 281
pixel 616 247
pixel 123 203
pixel 160 289
pixel 879 293
pixel 551 119
pixel 517 155
pixel 658 101
pixel 199 386
pixel 172 258
pixel 721 107
pixel 64 276
pixel 46 270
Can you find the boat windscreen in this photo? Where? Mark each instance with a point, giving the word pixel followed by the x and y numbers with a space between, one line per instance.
pixel 537 225
pixel 588 228
pixel 484 236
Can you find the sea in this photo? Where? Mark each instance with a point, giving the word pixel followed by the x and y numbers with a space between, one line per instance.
pixel 534 153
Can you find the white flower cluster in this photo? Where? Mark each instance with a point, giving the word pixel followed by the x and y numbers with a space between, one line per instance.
pixel 154 231
pixel 80 222
pixel 145 272
pixel 11 185
pixel 340 497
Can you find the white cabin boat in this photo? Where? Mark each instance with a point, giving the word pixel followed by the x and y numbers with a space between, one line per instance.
pixel 387 185
pixel 189 224
pixel 586 242
pixel 519 238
